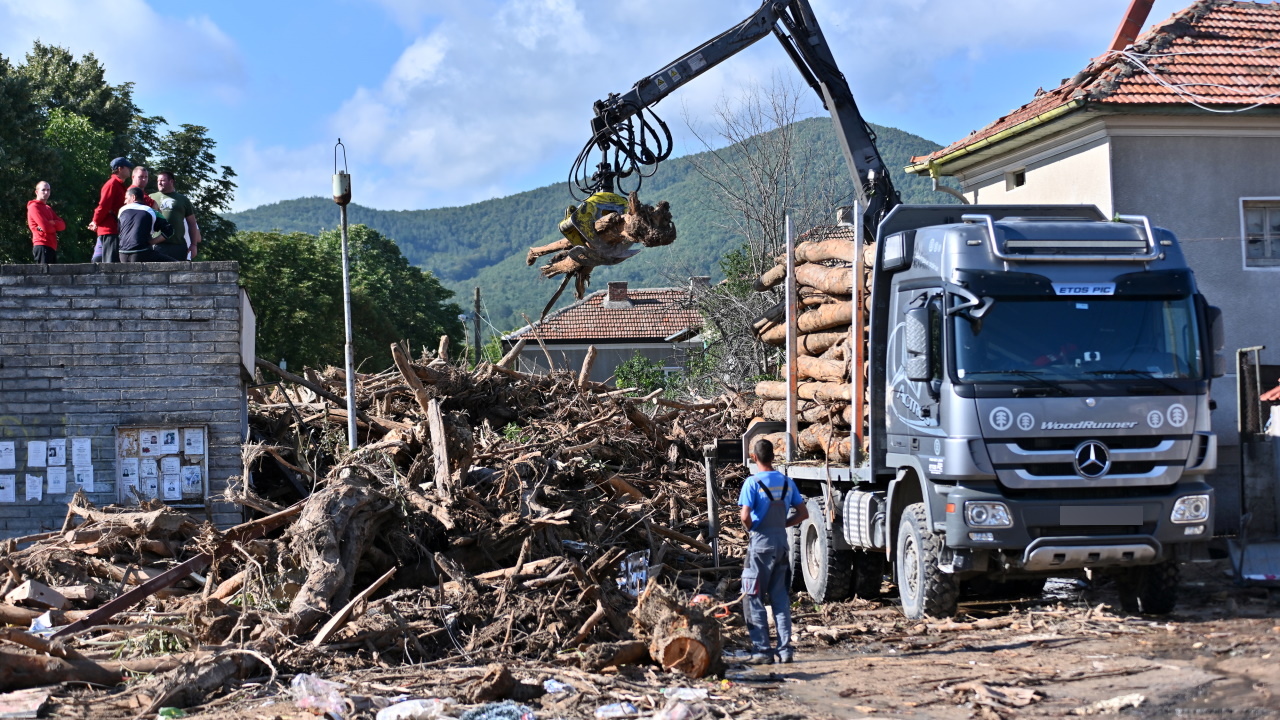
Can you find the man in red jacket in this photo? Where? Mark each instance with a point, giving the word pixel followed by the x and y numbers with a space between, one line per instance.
pixel 45 226
pixel 111 199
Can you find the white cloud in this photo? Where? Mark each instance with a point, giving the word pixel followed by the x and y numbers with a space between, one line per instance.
pixel 124 35
pixel 491 97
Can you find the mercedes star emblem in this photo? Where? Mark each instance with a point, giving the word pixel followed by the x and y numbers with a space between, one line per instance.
pixel 1093 460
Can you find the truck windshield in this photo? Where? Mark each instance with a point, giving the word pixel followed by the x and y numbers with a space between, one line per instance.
pixel 1080 338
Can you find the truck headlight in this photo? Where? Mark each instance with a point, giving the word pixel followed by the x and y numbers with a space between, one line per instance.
pixel 1190 509
pixel 987 514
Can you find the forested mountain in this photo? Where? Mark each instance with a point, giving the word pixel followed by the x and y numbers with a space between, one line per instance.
pixel 484 244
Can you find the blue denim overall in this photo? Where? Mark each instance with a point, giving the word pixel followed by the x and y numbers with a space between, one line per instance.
pixel 767 571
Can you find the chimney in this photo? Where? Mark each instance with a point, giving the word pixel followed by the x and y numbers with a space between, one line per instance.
pixel 617 298
pixel 699 283
pixel 1131 26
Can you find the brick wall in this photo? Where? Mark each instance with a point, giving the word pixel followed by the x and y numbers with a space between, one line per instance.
pixel 87 348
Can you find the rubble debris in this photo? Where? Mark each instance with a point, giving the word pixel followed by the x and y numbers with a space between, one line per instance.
pixel 484 516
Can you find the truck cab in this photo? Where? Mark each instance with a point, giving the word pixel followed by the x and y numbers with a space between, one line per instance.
pixel 1039 406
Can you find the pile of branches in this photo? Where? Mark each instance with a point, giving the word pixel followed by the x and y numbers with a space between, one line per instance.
pixel 486 514
pixel 826 276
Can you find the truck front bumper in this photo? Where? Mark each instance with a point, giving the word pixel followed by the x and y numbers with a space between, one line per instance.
pixel 1042 534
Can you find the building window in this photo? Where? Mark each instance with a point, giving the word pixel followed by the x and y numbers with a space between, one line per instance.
pixel 1261 233
pixel 1015 179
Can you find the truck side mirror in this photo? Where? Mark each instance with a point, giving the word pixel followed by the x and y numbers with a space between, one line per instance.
pixel 1217 339
pixel 917 342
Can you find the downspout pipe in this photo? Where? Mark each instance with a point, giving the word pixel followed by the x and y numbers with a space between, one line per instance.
pixel 938 187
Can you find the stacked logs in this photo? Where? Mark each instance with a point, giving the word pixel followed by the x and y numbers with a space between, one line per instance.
pixel 825 277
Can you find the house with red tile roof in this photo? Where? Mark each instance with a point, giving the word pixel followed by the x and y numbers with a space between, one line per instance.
pixel 662 324
pixel 1181 124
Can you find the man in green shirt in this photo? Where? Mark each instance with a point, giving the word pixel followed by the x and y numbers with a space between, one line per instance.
pixel 177 209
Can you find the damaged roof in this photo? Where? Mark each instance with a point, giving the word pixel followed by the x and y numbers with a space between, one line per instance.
pixel 1215 55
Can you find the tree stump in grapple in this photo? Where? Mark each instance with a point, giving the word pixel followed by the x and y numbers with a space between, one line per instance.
pixel 681 638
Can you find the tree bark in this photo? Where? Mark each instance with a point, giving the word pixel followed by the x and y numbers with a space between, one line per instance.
pixel 830 280
pixel 681 638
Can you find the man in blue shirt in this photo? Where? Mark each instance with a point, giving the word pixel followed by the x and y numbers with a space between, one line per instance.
pixel 764 502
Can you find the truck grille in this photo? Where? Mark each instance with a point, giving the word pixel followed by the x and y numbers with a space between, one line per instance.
pixel 1090 530
pixel 1064 469
pixel 1115 442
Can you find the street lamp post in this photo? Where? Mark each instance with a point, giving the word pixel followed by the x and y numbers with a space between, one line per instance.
pixel 342 196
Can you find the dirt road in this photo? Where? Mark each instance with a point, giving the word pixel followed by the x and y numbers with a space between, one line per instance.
pixel 1068 653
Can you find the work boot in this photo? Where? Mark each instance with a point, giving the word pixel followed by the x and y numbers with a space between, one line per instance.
pixel 786 657
pixel 759 658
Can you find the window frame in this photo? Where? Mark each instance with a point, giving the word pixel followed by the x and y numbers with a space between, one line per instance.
pixel 1266 264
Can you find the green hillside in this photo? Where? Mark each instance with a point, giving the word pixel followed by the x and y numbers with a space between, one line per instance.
pixel 484 244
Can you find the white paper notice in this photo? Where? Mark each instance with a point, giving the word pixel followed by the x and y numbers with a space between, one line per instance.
pixel 8 488
pixel 148 469
pixel 82 451
pixel 57 480
pixel 191 483
pixel 37 453
pixel 172 487
pixel 57 452
pixel 170 465
pixel 35 487
pixel 149 442
pixel 8 457
pixel 169 443
pixel 84 478
pixel 193 441
pixel 129 470
pixel 150 487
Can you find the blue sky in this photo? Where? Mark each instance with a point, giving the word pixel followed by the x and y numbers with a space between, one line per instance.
pixel 448 102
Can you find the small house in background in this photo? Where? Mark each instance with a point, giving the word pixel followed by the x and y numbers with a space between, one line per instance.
pixel 1182 125
pixel 662 324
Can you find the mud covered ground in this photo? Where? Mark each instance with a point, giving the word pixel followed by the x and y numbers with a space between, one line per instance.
pixel 1068 653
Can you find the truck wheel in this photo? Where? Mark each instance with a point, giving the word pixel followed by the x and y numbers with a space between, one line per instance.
pixel 828 572
pixel 793 549
pixel 1149 589
pixel 925 590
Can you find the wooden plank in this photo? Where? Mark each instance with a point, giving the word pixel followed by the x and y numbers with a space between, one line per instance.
pixel 439 450
pixel 340 618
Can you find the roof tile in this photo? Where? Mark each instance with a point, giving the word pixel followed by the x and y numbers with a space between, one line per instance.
pixel 1215 53
pixel 655 314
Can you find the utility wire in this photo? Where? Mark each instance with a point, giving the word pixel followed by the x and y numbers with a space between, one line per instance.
pixel 1138 60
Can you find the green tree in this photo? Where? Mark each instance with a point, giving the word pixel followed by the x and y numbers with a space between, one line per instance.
pixel 60 81
pixel 24 157
pixel 296 291
pixel 188 154
pixel 391 299
pixel 82 150
pixel 640 372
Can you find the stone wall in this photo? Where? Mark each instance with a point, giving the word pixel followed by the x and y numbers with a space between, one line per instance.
pixel 100 351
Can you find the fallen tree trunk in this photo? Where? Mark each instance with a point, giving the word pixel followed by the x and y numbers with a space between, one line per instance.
pixel 819 391
pixel 830 280
pixel 681 638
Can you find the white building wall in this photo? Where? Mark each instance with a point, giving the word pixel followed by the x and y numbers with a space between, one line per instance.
pixel 1072 168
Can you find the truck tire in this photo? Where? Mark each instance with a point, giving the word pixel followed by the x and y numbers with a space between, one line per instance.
pixel 925 590
pixel 793 548
pixel 1149 589
pixel 828 572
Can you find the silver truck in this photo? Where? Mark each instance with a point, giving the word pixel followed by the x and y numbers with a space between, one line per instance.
pixel 1038 406
pixel 1038 382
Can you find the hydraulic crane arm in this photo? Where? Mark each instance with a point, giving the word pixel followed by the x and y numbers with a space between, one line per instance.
pixel 793 23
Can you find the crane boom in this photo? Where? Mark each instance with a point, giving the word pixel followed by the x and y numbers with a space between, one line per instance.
pixel 794 24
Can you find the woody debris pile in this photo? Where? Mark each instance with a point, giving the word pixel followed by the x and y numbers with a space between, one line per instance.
pixel 487 516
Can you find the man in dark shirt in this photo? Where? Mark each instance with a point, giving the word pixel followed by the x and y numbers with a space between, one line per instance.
pixel 140 229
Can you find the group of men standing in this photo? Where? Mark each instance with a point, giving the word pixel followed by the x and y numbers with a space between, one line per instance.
pixel 131 225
